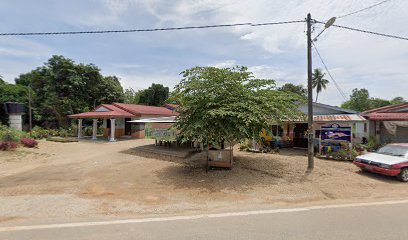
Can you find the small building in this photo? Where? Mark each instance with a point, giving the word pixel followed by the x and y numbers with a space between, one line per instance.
pixel 117 119
pixel 324 116
pixel 389 124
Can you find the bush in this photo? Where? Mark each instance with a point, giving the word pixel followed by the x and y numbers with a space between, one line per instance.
pixel 60 139
pixel 244 145
pixel 10 134
pixel 39 133
pixel 7 145
pixel 345 154
pixel 372 144
pixel 28 142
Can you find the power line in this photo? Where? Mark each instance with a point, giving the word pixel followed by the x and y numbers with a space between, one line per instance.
pixel 363 9
pixel 367 31
pixel 328 72
pixel 149 29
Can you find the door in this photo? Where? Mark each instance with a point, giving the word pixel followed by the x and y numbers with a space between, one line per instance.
pixel 128 127
pixel 299 135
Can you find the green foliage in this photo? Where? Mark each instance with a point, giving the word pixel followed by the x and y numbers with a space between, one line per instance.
pixel 228 104
pixel 360 101
pixel 132 96
pixel 345 154
pixel 61 139
pixel 155 95
pixel 372 144
pixel 10 134
pixel 398 100
pixel 40 133
pixel 297 89
pixel 318 81
pixel 62 87
pixel 11 93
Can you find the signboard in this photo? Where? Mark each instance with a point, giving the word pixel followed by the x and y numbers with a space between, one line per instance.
pixel 336 133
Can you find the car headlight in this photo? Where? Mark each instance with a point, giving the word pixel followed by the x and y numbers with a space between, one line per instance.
pixel 385 165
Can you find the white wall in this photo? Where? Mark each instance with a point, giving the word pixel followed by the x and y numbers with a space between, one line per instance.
pixel 16 121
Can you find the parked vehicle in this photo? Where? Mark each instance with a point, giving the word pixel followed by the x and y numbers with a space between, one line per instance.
pixel 390 160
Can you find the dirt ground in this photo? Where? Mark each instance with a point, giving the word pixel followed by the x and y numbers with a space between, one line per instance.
pixel 88 180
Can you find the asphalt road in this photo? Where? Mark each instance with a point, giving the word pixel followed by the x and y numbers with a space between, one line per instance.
pixel 358 221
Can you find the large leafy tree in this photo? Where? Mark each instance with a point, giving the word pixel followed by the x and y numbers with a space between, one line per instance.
pixel 398 100
pixel 155 95
pixel 359 100
pixel 297 89
pixel 63 87
pixel 132 96
pixel 228 104
pixel 318 81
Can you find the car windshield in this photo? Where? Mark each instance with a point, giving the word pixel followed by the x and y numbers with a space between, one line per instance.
pixel 394 150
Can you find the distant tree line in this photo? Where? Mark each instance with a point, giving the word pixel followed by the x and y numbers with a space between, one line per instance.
pixel 61 87
pixel 361 101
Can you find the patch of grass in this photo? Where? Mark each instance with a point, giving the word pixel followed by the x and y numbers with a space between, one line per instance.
pixel 61 139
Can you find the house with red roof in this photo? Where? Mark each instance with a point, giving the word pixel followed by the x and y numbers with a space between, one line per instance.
pixel 389 124
pixel 118 119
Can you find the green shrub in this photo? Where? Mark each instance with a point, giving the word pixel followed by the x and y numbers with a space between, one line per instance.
pixel 10 134
pixel 60 139
pixel 87 131
pixel 372 144
pixel 245 145
pixel 344 154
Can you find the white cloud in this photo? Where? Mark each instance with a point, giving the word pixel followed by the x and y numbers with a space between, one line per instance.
pixel 355 59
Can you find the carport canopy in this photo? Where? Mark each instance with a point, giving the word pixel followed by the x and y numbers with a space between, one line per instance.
pixel 170 119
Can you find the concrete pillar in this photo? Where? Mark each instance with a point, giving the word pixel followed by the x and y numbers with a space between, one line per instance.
pixel 15 120
pixel 79 128
pixel 94 128
pixel 112 133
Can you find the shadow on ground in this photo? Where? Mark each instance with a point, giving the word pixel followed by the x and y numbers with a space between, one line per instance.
pixel 250 170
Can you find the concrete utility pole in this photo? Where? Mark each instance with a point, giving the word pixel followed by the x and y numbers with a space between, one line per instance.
pixel 310 136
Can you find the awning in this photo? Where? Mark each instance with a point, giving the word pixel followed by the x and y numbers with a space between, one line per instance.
pixel 339 118
pixel 171 119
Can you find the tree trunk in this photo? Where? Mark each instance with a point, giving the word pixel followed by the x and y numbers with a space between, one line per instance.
pixel 317 95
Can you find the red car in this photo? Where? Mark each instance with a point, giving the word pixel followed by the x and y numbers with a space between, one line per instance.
pixel 390 160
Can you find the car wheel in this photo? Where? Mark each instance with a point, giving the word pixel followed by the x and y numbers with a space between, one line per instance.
pixel 403 175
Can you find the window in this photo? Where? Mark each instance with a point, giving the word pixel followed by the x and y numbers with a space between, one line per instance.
pixel 365 127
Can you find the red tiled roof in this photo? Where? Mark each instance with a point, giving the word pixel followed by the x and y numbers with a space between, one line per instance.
pixel 145 110
pixel 388 116
pixel 397 112
pixel 389 108
pixel 113 112
pixel 124 110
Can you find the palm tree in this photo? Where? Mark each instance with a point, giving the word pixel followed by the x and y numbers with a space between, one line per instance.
pixel 318 81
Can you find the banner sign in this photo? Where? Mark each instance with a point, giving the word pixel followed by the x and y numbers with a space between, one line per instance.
pixel 336 133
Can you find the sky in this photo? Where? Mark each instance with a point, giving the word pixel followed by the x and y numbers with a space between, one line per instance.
pixel 355 60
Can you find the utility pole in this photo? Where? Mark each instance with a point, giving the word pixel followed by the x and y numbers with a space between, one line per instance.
pixel 310 135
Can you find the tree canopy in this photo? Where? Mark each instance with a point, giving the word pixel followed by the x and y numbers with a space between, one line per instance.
pixel 297 89
pixel 62 87
pixel 228 104
pixel 11 93
pixel 361 101
pixel 155 95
